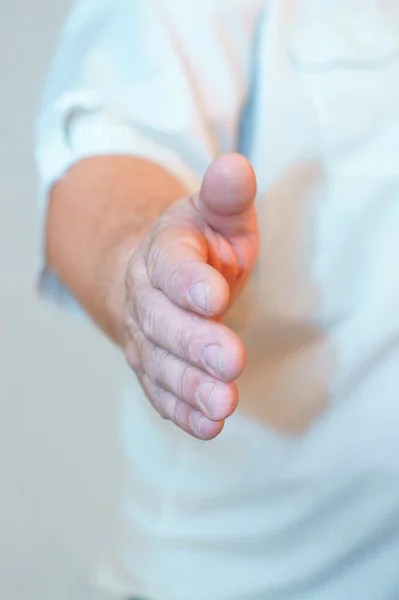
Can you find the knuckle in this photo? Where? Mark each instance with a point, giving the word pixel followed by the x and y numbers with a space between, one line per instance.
pixel 156 258
pixel 147 386
pixel 177 413
pixel 134 278
pixel 161 366
pixel 132 305
pixel 138 340
pixel 148 316
pixel 163 267
pixel 186 335
pixel 183 381
pixel 129 315
pixel 129 320
pixel 152 264
pixel 134 345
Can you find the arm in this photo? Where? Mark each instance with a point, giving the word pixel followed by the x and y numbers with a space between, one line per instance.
pixel 148 263
pixel 133 257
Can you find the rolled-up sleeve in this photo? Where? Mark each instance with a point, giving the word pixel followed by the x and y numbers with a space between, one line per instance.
pixel 118 84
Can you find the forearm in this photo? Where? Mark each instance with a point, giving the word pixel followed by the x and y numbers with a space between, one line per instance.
pixel 98 214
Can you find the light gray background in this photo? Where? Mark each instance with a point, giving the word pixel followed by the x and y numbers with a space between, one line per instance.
pixel 57 376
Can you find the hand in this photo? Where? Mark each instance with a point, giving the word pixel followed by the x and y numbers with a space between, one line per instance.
pixel 188 269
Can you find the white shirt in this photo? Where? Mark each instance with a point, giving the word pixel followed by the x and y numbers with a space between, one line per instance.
pixel 299 497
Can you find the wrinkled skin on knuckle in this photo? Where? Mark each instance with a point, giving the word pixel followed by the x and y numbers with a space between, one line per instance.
pixel 187 337
pixel 158 255
pixel 148 315
pixel 177 413
pixel 159 366
pixel 134 295
pixel 152 262
pixel 183 381
pixel 138 342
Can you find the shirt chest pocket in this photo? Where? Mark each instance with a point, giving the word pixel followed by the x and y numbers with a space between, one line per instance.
pixel 349 62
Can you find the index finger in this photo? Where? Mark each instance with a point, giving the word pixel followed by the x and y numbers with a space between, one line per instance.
pixel 176 265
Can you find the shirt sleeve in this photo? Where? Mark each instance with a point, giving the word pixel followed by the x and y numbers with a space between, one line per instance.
pixel 123 82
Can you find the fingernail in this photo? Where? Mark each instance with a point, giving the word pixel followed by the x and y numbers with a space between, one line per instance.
pixel 196 421
pixel 213 358
pixel 199 293
pixel 205 396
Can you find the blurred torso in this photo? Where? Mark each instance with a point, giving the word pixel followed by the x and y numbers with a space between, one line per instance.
pixel 299 497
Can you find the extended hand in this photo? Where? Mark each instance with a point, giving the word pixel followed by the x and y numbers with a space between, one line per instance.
pixel 189 268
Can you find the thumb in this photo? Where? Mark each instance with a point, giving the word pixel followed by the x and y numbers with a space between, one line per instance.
pixel 227 197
